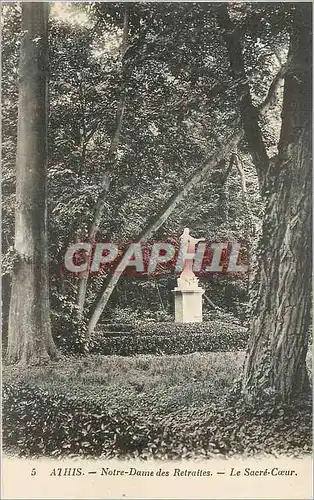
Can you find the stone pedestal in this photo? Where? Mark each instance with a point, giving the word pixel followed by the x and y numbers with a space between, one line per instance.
pixel 188 295
pixel 188 305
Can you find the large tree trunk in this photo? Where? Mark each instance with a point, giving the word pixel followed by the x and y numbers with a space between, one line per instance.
pixel 276 358
pixel 157 220
pixel 29 337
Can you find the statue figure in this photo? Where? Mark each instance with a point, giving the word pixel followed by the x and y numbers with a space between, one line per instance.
pixel 187 278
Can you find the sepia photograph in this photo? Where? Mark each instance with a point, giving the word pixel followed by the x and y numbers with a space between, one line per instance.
pixel 156 249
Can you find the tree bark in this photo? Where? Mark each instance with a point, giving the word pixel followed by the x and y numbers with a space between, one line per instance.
pixel 29 336
pixel 157 220
pixel 276 358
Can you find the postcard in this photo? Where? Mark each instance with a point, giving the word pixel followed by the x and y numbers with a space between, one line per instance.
pixel 156 250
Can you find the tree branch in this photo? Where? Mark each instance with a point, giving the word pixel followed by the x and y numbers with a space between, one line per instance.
pixel 211 303
pixel 249 113
pixel 271 95
pixel 240 169
pixel 105 181
pixel 227 172
pixel 229 145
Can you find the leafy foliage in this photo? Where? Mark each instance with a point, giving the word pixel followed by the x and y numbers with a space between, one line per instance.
pixel 175 117
pixel 170 338
pixel 69 330
pixel 86 428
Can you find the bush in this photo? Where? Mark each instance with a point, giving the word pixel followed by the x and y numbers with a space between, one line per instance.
pixel 162 344
pixel 212 328
pixel 69 331
pixel 171 338
pixel 126 314
pixel 73 427
pixel 221 315
pixel 131 314
pixel 110 328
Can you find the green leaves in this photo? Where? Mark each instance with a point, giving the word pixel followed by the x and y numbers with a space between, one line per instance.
pixel 170 338
pixel 69 331
pixel 86 428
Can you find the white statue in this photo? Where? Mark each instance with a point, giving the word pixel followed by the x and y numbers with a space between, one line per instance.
pixel 187 278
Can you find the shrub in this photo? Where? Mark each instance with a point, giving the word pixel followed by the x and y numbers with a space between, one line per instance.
pixel 71 426
pixel 162 344
pixel 214 327
pixel 126 314
pixel 69 331
pixel 171 338
pixel 219 314
pixel 108 329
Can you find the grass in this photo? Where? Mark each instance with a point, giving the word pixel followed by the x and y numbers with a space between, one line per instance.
pixel 152 383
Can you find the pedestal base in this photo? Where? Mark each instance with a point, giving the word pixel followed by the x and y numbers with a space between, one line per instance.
pixel 188 305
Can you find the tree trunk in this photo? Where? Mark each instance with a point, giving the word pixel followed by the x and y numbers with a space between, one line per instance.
pixel 29 337
pixel 276 358
pixel 223 193
pixel 99 207
pixel 157 220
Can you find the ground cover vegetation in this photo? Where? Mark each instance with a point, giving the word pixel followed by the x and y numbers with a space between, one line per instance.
pixel 165 407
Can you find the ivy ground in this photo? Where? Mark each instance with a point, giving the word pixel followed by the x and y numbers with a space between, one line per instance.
pixel 144 406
